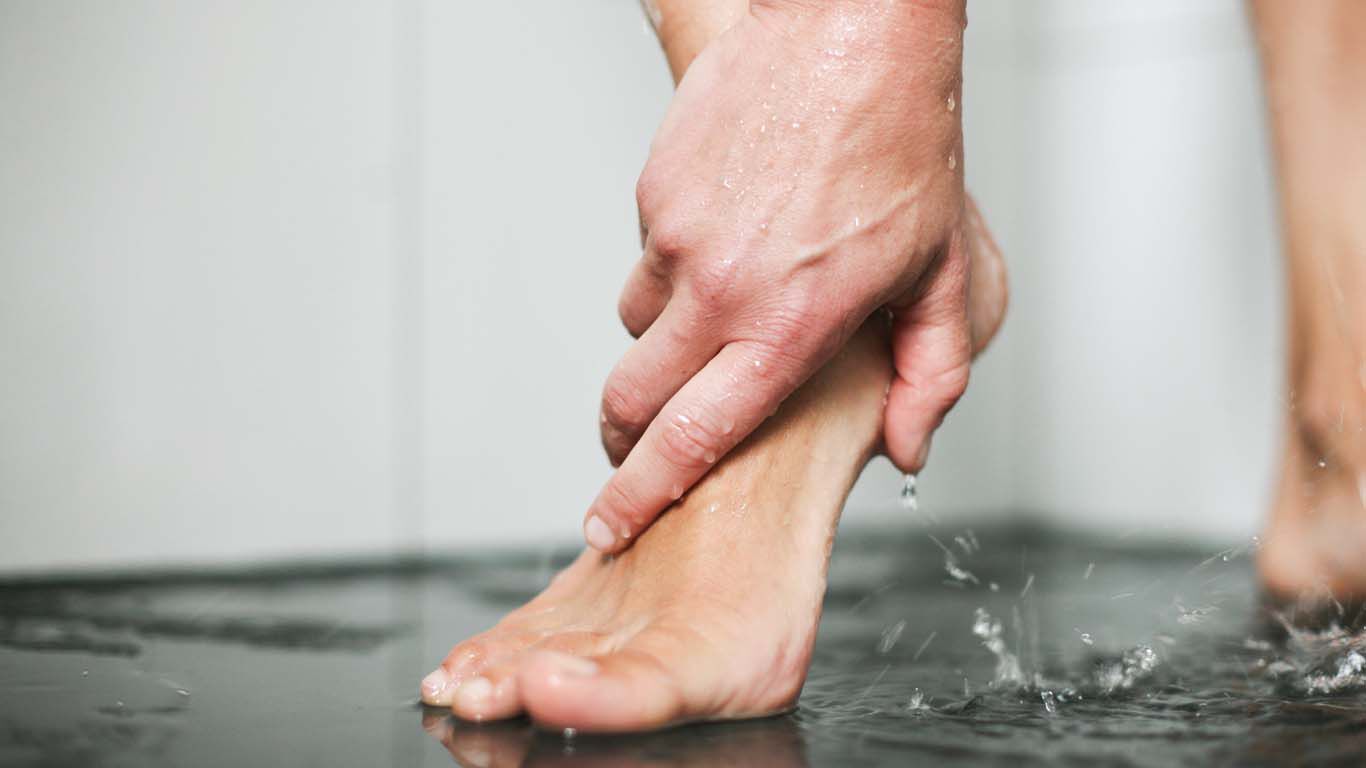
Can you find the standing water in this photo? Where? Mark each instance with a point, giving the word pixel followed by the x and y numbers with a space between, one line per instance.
pixel 1059 649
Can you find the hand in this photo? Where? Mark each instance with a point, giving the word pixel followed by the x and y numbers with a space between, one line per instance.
pixel 807 174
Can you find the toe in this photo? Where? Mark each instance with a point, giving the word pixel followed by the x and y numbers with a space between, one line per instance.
pixel 628 690
pixel 490 695
pixel 469 659
pixel 490 692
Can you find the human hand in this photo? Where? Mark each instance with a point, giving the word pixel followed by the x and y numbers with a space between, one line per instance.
pixel 807 174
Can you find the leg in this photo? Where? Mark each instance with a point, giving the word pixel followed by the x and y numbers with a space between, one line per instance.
pixel 713 612
pixel 1314 57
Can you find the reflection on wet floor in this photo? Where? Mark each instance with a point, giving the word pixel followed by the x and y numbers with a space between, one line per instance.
pixel 952 646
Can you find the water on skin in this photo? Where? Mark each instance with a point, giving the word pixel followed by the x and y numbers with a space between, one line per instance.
pixel 318 665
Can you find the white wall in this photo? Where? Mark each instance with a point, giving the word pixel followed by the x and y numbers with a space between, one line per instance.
pixel 310 278
pixel 195 266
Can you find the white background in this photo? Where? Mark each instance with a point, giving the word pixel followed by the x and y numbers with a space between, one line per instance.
pixel 313 279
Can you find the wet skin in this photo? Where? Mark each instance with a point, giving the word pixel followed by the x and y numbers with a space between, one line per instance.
pixel 1314 59
pixel 712 614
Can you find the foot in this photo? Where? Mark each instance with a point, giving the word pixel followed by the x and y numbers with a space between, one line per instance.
pixel 713 613
pixel 1316 539
pixel 1315 542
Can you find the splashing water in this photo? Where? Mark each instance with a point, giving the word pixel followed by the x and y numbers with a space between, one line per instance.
pixel 1135 665
pixel 988 630
pixel 1328 661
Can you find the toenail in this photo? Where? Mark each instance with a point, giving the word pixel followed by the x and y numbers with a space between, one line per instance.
pixel 574 666
pixel 438 687
pixel 475 694
pixel 597 533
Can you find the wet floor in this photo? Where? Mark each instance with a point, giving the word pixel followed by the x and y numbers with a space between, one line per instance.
pixel 1001 646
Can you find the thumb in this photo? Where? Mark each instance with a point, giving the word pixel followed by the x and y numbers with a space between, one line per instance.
pixel 932 347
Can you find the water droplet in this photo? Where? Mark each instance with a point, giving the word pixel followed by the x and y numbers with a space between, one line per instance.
pixel 889 636
pixel 1188 616
pixel 952 103
pixel 909 502
pixel 1086 638
pixel 1050 702
pixel 1090 568
pixel 570 733
pixel 953 161
pixel 917 700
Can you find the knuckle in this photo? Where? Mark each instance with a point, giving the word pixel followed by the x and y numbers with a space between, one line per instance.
pixel 630 315
pixel 669 238
pixel 691 443
pixel 945 387
pixel 799 329
pixel 796 316
pixel 623 408
pixel 648 190
pixel 711 287
pixel 625 503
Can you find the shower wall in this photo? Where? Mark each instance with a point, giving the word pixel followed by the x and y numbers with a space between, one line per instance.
pixel 333 278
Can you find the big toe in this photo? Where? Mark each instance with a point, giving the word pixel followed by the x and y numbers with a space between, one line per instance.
pixel 628 690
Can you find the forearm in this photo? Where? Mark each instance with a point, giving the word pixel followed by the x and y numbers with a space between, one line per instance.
pixel 931 29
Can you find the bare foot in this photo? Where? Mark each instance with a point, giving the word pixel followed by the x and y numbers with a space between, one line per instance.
pixel 1315 544
pixel 712 614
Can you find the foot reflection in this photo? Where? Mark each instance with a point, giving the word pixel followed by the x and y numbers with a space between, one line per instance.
pixel 775 742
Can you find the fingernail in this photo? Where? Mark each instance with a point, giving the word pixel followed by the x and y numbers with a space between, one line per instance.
pixel 573 666
pixel 437 688
pixel 475 694
pixel 597 533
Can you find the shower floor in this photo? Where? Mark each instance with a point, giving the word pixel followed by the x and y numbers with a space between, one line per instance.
pixel 1028 647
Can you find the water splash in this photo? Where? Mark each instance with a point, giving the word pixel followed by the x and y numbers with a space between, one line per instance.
pixel 1135 665
pixel 1319 662
pixel 988 630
